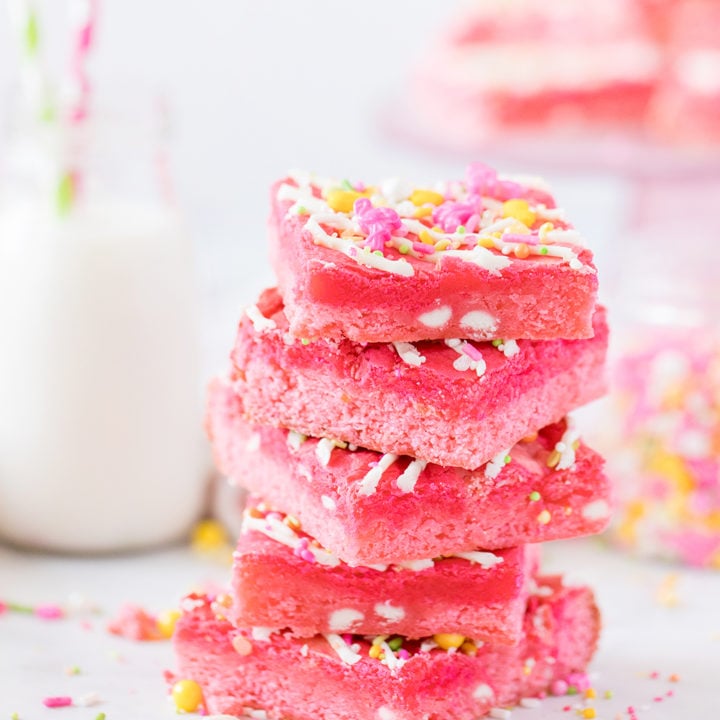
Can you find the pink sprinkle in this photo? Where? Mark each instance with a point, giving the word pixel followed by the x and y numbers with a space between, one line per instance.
pixel 567 708
pixel 669 693
pixel 307 555
pixel 347 637
pixel 654 675
pixel 423 248
pixel 56 702
pixel 580 680
pixel 471 351
pixel 3 607
pixel 49 612
pixel 559 687
pixel 658 698
pixel 403 654
pixel 531 239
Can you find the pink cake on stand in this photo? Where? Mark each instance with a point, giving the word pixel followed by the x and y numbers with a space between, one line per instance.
pixel 427 400
pixel 333 677
pixel 488 257
pixel 368 510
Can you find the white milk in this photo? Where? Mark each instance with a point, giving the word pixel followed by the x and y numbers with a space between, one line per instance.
pixel 101 447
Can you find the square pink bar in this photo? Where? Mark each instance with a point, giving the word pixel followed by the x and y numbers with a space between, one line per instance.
pixel 431 511
pixel 335 287
pixel 282 578
pixel 456 405
pixel 307 679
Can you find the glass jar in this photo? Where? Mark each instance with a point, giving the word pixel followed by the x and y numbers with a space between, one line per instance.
pixel 101 447
pixel 662 435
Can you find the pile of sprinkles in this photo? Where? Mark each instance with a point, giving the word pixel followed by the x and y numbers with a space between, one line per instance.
pixel 486 219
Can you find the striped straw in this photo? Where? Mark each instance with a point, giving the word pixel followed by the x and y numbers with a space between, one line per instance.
pixel 84 19
pixel 34 78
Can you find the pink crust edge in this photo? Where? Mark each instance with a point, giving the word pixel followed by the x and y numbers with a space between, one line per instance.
pixel 278 586
pixel 449 510
pixel 329 296
pixel 368 396
pixel 238 672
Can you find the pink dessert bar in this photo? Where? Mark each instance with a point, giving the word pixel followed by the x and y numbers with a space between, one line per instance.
pixel 352 677
pixel 451 403
pixel 369 508
pixel 282 578
pixel 480 259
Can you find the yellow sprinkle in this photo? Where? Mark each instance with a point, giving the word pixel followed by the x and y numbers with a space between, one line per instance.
pixel 449 640
pixel 423 197
pixel 422 212
pixel 442 244
pixel 379 640
pixel 342 200
pixel 553 458
pixel 426 237
pixel 545 228
pixel 166 622
pixel 588 713
pixel 522 250
pixel 187 695
pixel 292 522
pixel 520 210
pixel 374 651
pixel 590 693
pixel 468 648
pixel 544 517
pixel 486 242
pixel 209 535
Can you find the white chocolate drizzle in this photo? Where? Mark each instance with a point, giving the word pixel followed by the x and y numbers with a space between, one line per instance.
pixel 495 466
pixel 409 353
pixel 368 485
pixel 409 477
pixel 259 321
pixel 343 650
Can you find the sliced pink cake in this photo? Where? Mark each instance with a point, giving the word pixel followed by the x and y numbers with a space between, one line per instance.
pixel 449 402
pixel 352 677
pixel 283 578
pixel 368 508
pixel 484 258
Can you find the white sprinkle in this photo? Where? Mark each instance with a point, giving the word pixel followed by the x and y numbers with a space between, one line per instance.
pixel 295 440
pixel 323 450
pixel 343 650
pixel 328 503
pixel 481 256
pixel 304 650
pixel 428 645
pixel 436 318
pixel 479 320
pixel 406 481
pixel 394 190
pixel 565 446
pixel 470 357
pixel 389 612
pixel 343 620
pixel 483 691
pixel 409 353
pixel 368 485
pixel 88 700
pixel 254 713
pixel 385 713
pixel 500 713
pixel 259 321
pixel 261 634
pixel 253 443
pixel 393 662
pixel 596 510
pixel 482 558
pixel 493 468
pixel 509 348
pixel 530 702
pixel 417 565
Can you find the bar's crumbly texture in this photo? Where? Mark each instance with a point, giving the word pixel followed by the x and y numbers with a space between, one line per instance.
pixel 368 510
pixel 448 402
pixel 350 677
pixel 483 258
pixel 283 578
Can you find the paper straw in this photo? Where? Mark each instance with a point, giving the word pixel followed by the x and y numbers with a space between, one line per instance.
pixel 34 79
pixel 84 17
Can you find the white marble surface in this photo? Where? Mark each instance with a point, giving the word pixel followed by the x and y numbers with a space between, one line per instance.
pixel 642 634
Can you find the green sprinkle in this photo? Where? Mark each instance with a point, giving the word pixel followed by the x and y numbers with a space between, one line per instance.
pixel 608 694
pixel 74 670
pixel 32 34
pixel 304 341
pixel 100 716
pixel 404 249
pixel 395 644
pixel 47 113
pixel 302 210
pixel 346 185
pixel 543 250
pixel 15 716
pixel 16 607
pixel 461 230
pixel 572 690
pixel 497 343
pixel 65 195
pixel 508 459
pixel 534 496
pixel 378 252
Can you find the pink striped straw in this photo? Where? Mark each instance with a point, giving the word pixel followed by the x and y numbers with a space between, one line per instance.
pixel 85 12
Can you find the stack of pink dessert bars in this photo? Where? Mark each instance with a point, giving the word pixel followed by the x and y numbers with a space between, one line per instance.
pixel 397 409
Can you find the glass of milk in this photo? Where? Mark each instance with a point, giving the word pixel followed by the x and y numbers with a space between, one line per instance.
pixel 101 446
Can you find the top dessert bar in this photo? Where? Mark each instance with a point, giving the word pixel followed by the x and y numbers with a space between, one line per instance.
pixel 485 258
